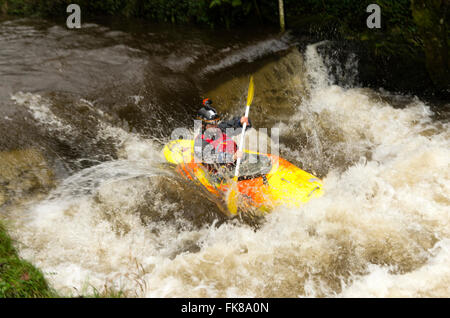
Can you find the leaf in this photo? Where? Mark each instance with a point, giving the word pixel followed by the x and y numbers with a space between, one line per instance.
pixel 215 3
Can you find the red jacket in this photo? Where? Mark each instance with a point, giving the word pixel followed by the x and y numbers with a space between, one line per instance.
pixel 215 147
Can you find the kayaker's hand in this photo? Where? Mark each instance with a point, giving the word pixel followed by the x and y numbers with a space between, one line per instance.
pixel 244 120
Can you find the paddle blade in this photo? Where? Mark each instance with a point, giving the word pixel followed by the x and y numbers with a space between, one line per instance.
pixel 251 91
pixel 232 199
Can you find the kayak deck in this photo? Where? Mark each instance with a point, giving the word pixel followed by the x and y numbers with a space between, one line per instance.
pixel 265 180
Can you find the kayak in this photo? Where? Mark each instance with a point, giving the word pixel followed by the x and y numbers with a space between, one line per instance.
pixel 265 181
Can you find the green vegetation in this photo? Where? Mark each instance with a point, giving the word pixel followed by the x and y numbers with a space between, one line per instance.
pixel 18 278
pixel 431 20
pixel 346 14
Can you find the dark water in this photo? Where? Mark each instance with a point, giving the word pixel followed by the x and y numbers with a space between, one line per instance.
pixel 84 115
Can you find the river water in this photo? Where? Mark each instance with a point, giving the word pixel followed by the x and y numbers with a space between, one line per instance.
pixel 88 198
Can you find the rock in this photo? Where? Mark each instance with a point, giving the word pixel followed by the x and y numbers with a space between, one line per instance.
pixel 278 85
pixel 23 172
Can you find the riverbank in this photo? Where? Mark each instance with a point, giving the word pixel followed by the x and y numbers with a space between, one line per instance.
pixel 19 278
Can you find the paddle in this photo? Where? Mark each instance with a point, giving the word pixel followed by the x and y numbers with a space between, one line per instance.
pixel 232 196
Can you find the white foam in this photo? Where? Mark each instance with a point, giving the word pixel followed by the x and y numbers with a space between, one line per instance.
pixel 40 110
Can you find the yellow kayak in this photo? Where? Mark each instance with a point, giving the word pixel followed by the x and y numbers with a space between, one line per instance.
pixel 265 181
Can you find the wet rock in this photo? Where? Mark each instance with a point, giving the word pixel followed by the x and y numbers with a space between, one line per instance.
pixel 23 172
pixel 279 85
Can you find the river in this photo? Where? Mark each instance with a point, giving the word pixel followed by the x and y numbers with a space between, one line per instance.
pixel 88 198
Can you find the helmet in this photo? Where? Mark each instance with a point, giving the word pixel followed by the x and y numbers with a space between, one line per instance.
pixel 207 102
pixel 207 114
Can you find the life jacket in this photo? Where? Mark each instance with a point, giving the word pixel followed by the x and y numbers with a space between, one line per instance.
pixel 223 145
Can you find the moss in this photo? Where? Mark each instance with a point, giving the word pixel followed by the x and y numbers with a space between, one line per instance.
pixel 19 278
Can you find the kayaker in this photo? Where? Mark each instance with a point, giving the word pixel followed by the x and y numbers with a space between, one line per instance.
pixel 213 147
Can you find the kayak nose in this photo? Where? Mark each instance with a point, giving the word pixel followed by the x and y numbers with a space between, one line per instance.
pixel 291 186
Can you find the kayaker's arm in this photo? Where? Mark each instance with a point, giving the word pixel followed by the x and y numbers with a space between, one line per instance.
pixel 233 123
